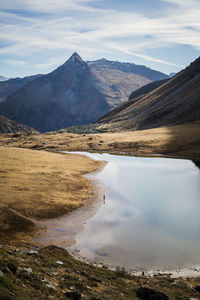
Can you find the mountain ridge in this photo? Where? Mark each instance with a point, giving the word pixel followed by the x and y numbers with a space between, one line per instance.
pixel 175 102
pixel 128 67
pixel 3 78
pixel 73 94
pixel 66 96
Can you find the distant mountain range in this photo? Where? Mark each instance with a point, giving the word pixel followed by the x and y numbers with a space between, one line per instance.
pixel 140 70
pixel 75 93
pixel 119 79
pixel 176 101
pixel 2 78
pixel 8 87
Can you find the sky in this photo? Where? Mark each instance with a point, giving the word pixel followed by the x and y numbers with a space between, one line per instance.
pixel 36 36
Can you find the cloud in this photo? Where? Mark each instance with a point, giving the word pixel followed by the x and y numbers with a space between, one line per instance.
pixel 13 62
pixel 35 26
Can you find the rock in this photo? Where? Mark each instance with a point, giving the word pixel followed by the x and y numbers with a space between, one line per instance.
pixel 24 271
pixel 197 288
pixel 7 271
pixel 32 252
pixel 59 263
pixel 84 274
pixel 6 296
pixel 46 281
pixel 50 286
pixel 149 294
pixel 73 295
pixel 96 279
pixel 1 274
pixel 12 267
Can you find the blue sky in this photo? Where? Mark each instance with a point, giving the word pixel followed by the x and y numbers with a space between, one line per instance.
pixel 36 36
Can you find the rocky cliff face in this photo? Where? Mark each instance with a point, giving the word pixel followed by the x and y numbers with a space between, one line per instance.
pixel 175 102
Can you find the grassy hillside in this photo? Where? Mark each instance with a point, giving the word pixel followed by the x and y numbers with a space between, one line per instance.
pixel 39 185
pixel 177 101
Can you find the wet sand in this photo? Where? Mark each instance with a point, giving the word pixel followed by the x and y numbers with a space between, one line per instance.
pixel 62 231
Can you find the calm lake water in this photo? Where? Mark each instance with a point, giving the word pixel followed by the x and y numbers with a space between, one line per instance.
pixel 150 216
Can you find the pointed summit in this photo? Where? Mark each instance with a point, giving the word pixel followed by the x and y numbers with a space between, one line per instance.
pixel 75 57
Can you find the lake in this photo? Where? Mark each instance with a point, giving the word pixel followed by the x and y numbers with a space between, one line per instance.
pixel 149 216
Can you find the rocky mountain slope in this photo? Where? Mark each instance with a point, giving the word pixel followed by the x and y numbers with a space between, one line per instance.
pixel 65 97
pixel 140 70
pixel 147 88
pixel 119 79
pixel 76 93
pixel 175 102
pixel 8 87
pixel 9 126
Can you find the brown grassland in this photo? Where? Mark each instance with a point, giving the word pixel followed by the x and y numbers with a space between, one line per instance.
pixel 39 185
pixel 181 141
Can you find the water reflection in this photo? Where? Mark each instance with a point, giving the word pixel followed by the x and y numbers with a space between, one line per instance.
pixel 150 217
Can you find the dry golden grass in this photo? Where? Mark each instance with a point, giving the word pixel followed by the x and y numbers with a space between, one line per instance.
pixel 40 184
pixel 178 141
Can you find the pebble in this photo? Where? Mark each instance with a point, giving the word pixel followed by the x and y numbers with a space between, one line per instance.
pixel 59 262
pixel 32 252
pixel 24 271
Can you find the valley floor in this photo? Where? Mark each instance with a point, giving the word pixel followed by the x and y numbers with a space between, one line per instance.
pixel 36 185
pixel 182 141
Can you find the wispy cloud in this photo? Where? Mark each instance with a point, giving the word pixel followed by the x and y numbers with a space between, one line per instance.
pixel 78 25
pixel 14 62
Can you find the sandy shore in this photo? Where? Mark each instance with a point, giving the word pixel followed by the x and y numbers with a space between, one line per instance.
pixel 62 231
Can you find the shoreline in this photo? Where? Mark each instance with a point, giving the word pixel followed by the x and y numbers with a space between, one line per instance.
pixel 61 231
pixel 185 272
pixel 89 209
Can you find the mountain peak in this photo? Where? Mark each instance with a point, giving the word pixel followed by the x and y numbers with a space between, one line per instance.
pixel 75 57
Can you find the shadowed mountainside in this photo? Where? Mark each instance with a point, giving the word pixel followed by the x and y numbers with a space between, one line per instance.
pixel 9 126
pixel 65 97
pixel 147 88
pixel 8 87
pixel 175 102
pixel 74 94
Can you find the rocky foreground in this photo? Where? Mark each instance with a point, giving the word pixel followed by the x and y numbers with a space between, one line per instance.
pixel 51 273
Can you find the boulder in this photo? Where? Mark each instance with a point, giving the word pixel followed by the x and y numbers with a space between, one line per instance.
pixel 73 295
pixel 197 288
pixel 150 294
